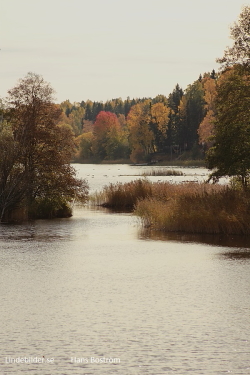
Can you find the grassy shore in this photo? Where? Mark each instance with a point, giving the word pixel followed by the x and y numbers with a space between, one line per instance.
pixel 185 207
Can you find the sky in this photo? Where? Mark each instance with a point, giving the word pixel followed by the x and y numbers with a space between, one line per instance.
pixel 104 49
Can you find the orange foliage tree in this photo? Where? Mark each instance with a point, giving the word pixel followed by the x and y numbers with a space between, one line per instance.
pixel 206 127
pixel 106 136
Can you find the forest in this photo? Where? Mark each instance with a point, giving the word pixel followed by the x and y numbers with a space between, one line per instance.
pixel 144 129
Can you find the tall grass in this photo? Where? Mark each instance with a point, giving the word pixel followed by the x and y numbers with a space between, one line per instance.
pixel 197 208
pixel 186 207
pixel 123 196
pixel 162 172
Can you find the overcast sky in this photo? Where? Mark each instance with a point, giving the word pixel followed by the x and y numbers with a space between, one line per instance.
pixel 104 49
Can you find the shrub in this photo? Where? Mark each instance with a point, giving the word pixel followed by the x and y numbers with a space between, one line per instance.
pixel 49 208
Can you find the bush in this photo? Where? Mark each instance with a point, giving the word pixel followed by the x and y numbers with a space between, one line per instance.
pixel 49 208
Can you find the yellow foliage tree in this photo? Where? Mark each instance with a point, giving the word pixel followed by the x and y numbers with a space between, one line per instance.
pixel 206 127
pixel 160 118
pixel 141 136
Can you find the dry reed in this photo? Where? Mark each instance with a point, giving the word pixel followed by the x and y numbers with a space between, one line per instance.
pixel 196 208
pixel 162 172
pixel 123 196
pixel 186 207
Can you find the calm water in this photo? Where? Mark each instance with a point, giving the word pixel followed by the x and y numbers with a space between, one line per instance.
pixel 99 286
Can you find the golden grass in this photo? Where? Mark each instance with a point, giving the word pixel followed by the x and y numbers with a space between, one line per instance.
pixel 196 208
pixel 162 172
pixel 123 196
pixel 186 207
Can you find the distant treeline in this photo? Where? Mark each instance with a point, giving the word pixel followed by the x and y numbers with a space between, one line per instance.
pixel 141 128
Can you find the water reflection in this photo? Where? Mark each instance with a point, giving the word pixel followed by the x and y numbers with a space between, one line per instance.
pixel 91 286
pixel 237 255
pixel 219 240
pixel 39 230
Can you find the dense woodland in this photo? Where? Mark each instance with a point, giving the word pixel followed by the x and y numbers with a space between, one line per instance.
pixel 142 129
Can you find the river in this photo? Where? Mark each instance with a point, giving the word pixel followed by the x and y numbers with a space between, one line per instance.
pixel 97 294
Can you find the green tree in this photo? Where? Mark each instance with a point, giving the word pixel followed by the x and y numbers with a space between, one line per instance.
pixel 191 113
pixel 174 100
pixel 89 110
pixel 230 154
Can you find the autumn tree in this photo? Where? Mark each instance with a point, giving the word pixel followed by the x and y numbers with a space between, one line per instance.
pixel 76 119
pixel 66 106
pixel 42 152
pixel 106 136
pixel 159 124
pixel 85 145
pixel 13 182
pixel 141 135
pixel 74 115
pixel 206 128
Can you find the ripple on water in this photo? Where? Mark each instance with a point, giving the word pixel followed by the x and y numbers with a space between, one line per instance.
pixel 91 286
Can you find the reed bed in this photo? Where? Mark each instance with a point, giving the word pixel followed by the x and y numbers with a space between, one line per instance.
pixel 162 172
pixel 186 207
pixel 196 208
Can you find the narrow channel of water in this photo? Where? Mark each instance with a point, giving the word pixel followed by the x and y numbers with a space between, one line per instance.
pixel 94 286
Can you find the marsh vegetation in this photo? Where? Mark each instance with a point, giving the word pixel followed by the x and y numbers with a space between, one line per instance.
pixel 185 207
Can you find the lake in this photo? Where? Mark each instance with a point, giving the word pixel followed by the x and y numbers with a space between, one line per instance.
pixel 98 294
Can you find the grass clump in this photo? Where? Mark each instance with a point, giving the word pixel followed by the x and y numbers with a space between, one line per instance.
pixel 162 172
pixel 123 196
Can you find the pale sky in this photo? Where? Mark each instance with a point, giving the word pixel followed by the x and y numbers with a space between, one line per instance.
pixel 104 49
